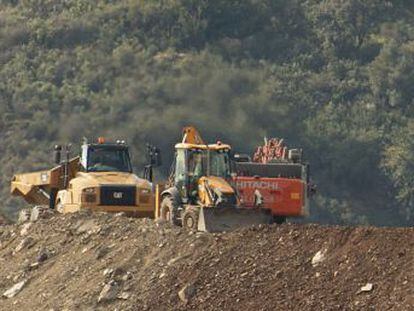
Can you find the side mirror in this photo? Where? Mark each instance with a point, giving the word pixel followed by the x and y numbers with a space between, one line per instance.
pixel 153 155
pixel 148 173
pixel 57 154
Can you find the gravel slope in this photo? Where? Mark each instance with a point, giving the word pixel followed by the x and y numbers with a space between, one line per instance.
pixel 107 262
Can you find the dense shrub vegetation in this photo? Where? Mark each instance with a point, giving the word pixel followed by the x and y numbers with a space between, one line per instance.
pixel 335 77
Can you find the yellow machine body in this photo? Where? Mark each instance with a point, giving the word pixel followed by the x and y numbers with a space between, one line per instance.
pixel 69 188
pixel 198 195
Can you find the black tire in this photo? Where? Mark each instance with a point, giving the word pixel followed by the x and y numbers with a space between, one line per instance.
pixel 59 206
pixel 279 219
pixel 169 210
pixel 190 218
pixel 24 215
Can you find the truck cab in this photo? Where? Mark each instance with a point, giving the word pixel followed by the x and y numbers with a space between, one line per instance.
pixel 106 182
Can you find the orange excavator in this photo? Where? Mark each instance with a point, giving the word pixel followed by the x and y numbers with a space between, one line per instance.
pixel 276 179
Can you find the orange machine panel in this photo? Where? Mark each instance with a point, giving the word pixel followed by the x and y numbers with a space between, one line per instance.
pixel 283 196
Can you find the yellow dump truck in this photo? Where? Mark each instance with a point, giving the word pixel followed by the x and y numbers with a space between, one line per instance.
pixel 100 179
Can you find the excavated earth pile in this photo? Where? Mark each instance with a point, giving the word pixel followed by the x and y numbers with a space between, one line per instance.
pixel 107 262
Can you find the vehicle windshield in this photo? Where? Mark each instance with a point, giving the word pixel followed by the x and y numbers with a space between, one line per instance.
pixel 219 163
pixel 107 159
pixel 208 163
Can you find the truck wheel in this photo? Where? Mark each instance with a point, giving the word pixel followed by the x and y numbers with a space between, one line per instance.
pixel 41 212
pixel 24 215
pixel 59 206
pixel 190 218
pixel 169 211
pixel 279 219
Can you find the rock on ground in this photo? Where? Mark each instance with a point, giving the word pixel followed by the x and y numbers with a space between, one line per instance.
pixel 187 292
pixel 14 290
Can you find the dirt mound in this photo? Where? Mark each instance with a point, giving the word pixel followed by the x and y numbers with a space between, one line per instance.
pixel 107 262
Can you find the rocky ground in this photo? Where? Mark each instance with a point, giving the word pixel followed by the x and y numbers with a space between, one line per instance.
pixel 111 262
pixel 3 220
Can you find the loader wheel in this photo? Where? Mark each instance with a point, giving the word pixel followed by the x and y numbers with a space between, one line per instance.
pixel 24 215
pixel 169 211
pixel 190 218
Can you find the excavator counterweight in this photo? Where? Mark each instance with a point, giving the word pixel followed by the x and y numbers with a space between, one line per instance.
pixel 276 179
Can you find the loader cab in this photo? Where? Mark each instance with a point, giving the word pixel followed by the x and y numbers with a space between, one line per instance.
pixel 193 162
pixel 106 157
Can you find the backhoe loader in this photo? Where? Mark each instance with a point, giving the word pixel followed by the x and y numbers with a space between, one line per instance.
pixel 100 179
pixel 198 195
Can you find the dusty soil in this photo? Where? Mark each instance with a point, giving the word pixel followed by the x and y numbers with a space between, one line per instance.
pixel 107 262
pixel 3 221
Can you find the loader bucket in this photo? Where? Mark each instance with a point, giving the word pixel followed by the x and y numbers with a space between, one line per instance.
pixel 228 219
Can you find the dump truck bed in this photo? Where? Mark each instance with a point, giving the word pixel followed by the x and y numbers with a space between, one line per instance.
pixel 35 187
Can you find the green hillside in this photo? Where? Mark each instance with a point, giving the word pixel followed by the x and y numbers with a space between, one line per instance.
pixel 335 77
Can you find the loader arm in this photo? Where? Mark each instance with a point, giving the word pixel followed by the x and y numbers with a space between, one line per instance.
pixel 192 136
